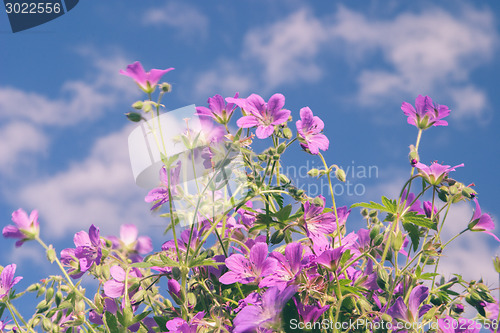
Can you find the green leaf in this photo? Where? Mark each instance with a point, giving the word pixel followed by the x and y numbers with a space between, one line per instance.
pixel 142 265
pixel 390 204
pixel 413 233
pixel 420 220
pixel 279 199
pixel 284 213
pixel 371 205
pixel 140 317
pixel 162 322
pixel 428 276
pixel 111 322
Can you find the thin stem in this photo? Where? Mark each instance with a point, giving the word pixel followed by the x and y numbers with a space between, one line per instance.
pixel 10 307
pixel 333 198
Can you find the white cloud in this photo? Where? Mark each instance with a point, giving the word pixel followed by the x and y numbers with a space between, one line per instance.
pixel 430 51
pixel 99 190
pixel 188 20
pixel 225 79
pixel 434 51
pixel 79 100
pixel 17 141
pixel 287 49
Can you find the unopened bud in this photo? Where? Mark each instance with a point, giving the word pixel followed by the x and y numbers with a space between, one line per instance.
pixel 287 133
pixel 364 212
pixel 313 172
pixel 340 174
pixel 496 264
pixel 138 105
pixel 284 179
pixel 277 236
pixel 281 148
pixel 134 116
pixel 374 232
pixel 166 87
pixel 469 193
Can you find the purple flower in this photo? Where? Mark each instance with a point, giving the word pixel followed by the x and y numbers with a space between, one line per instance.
pixel 435 173
pixel 462 325
pixel 25 228
pixel 159 195
pixel 263 115
pixel 428 209
pixel 319 224
pixel 482 222
pixel 411 312
pixel 310 313
pixel 7 280
pixel 247 217
pixel 130 243
pixel 87 252
pixel 288 267
pixel 179 325
pixel 250 270
pixel 330 258
pixel 218 109
pixel 415 204
pixel 147 81
pixel 116 287
pixel 426 114
pixel 310 128
pixel 265 314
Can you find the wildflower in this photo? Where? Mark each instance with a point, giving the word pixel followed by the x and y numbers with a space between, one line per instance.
pixel 317 223
pixel 330 258
pixel 159 195
pixel 309 128
pixel 310 313
pixel 435 173
pixel 263 115
pixel 265 314
pixel 25 228
pixel 412 203
pixel 218 109
pixel 428 209
pixel 116 287
pixel 7 280
pixel 147 81
pixel 131 243
pixel 413 311
pixel 426 114
pixel 250 270
pixel 482 222
pixel 288 267
pixel 179 325
pixel 88 251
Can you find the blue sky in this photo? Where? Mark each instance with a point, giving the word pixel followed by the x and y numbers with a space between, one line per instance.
pixel 63 136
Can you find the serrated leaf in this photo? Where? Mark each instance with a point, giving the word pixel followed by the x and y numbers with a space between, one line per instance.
pixel 390 204
pixel 279 199
pixel 371 205
pixel 140 317
pixel 111 322
pixel 428 276
pixel 413 233
pixel 420 220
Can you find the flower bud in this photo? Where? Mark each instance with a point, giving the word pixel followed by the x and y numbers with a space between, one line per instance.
pixel 134 117
pixel 413 156
pixel 313 172
pixel 166 87
pixel 276 157
pixel 281 148
pixel 287 133
pixel 47 325
pixel 387 318
pixel 374 232
pixel 284 179
pixel 277 236
pixel 373 213
pixel 469 193
pixel 138 105
pixel 378 240
pixel 49 294
pixel 364 212
pixel 397 242
pixel 458 308
pixel 340 174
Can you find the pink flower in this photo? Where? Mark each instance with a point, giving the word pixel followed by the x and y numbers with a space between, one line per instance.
pixel 218 109
pixel 116 287
pixel 7 280
pixel 131 243
pixel 25 228
pixel 310 128
pixel 263 115
pixel 159 195
pixel 426 114
pixel 482 222
pixel 435 173
pixel 147 81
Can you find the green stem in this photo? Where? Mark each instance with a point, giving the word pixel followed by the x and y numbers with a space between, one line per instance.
pixel 333 198
pixel 11 308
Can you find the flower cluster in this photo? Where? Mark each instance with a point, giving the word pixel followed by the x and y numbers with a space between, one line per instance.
pixel 259 261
